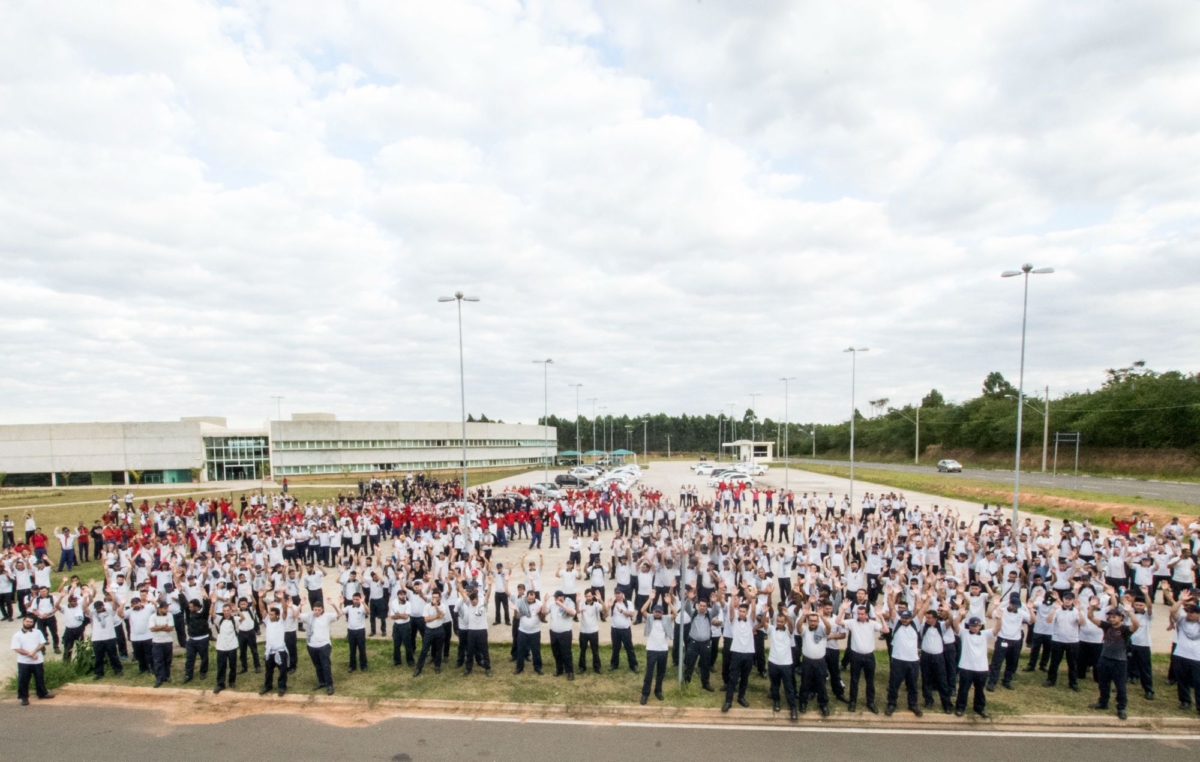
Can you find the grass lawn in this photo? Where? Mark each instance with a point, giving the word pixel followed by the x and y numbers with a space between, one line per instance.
pixel 610 688
pixel 1048 501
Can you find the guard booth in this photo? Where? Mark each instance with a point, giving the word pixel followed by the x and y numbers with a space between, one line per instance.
pixel 748 451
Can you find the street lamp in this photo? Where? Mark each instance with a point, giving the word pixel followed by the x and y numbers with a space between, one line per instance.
pixel 593 401
pixel 1026 270
pixel 753 416
pixel 917 423
pixel 578 447
pixel 278 406
pixel 462 383
pixel 853 370
pixel 545 417
pixel 786 430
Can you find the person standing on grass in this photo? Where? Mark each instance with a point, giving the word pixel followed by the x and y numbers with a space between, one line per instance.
pixel 317 623
pixel 780 661
pixel 905 663
pixel 30 646
pixel 699 640
pixel 1013 618
pixel 591 613
pixel 476 628
pixel 198 635
pixel 104 637
pixel 972 663
pixel 1112 665
pixel 402 634
pixel 1140 667
pixel 277 653
pixel 227 645
pixel 1185 613
pixel 659 633
pixel 436 615
pixel 562 614
pixel 531 613
pixel 621 616
pixel 741 652
pixel 356 632
pixel 247 634
pixel 1064 642
pixel 162 637
pixel 864 632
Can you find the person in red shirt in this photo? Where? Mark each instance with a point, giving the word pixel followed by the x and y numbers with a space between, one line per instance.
pixel 38 541
pixel 1123 526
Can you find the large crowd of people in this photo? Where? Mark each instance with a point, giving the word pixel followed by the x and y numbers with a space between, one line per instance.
pixel 797 590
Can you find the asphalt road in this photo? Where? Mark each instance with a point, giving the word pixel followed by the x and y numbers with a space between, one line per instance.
pixel 113 733
pixel 1181 491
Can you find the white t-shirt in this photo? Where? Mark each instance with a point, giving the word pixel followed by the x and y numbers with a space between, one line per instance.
pixel 27 641
pixel 973 656
pixel 318 628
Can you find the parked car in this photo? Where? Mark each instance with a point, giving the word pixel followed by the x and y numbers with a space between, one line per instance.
pixel 731 477
pixel 585 472
pixel 949 466
pixel 753 469
pixel 570 480
pixel 547 490
pixel 703 469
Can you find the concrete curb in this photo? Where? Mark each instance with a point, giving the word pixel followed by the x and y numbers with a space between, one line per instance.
pixel 621 714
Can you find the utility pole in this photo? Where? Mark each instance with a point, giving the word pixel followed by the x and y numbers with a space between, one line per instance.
pixel 786 463
pixel 753 417
pixel 593 401
pixel 1045 428
pixel 645 451
pixel 578 443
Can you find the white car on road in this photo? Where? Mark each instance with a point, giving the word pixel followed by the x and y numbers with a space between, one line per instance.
pixel 753 469
pixel 731 477
pixel 703 469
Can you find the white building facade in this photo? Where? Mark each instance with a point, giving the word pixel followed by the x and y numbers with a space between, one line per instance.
pixel 206 449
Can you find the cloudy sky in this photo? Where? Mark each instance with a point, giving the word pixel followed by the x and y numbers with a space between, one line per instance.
pixel 203 204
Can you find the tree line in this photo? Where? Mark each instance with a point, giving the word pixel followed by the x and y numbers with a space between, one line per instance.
pixel 1135 408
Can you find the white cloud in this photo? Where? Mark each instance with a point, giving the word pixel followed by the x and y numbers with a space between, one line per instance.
pixel 205 204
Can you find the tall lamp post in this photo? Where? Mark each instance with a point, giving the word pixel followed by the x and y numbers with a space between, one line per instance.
pixel 786 430
pixel 1026 270
pixel 593 401
pixel 462 383
pixel 753 416
pixel 578 447
pixel 545 417
pixel 853 409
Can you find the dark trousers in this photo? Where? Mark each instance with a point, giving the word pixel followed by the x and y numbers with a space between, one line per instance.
pixel 903 672
pixel 968 678
pixel 279 660
pixel 1108 672
pixel 740 665
pixel 1139 666
pixel 1089 656
pixel 106 650
pixel 502 602
pixel 1039 645
pixel 322 664
pixel 141 653
pixel 379 607
pixel 785 674
pixel 195 647
pixel 950 659
pixel 160 654
pixel 589 640
pixel 933 678
pixel 71 636
pixel 402 636
pixel 434 642
pixel 813 673
pixel 477 650
pixel 289 642
pixel 357 639
pixel 697 653
pixel 836 686
pixel 49 627
pixel 1057 652
pixel 248 643
pixel 529 646
pixel 1008 654
pixel 560 649
pixel 35 672
pixel 623 638
pixel 1187 679
pixel 862 666
pixel 656 670
pixel 226 668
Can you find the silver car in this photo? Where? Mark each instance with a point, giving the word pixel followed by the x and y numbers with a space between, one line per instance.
pixel 949 467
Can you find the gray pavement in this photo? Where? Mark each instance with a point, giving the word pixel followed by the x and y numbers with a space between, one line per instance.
pixel 119 733
pixel 1184 492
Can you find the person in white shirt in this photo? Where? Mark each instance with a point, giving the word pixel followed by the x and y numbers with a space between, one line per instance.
pixel 317 623
pixel 1013 617
pixel 741 649
pixel 621 631
pixel 659 634
pixel 30 646
pixel 162 638
pixel 436 615
pixel 1067 618
pixel 226 643
pixel 863 631
pixel 561 614
pixel 277 656
pixel 780 663
pixel 591 613
pixel 1185 613
pixel 356 631
pixel 473 608
pixel 531 613
pixel 905 664
pixel 402 630
pixel 973 663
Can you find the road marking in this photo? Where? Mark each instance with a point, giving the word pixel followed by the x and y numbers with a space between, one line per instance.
pixel 600 722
